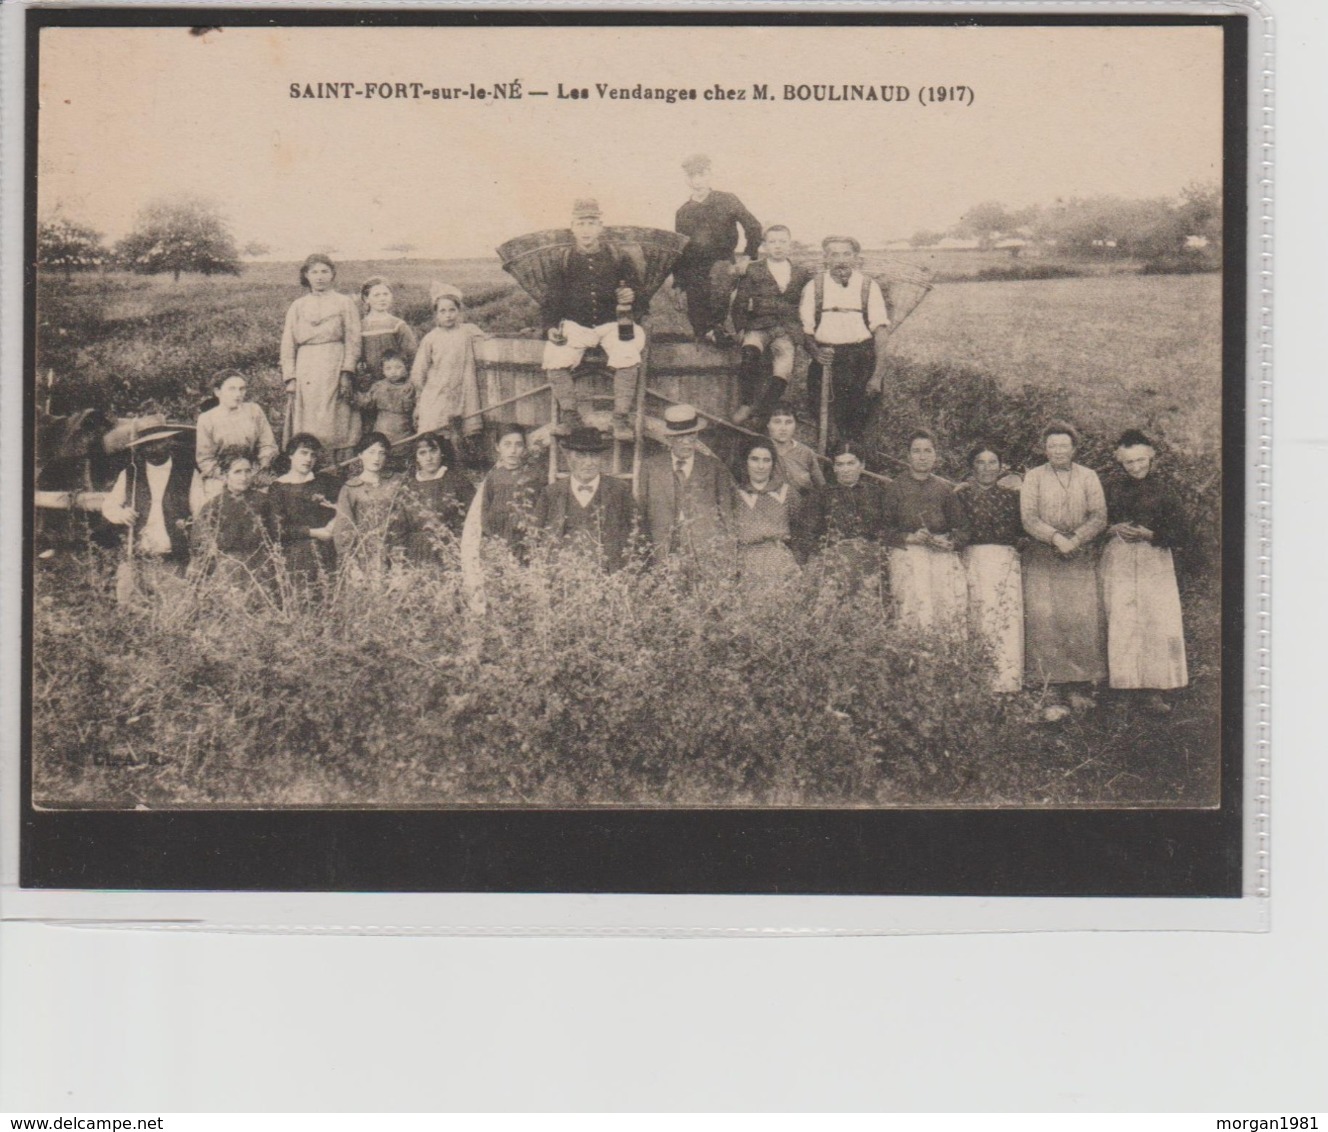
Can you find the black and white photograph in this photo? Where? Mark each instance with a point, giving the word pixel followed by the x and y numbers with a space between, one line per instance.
pixel 640 416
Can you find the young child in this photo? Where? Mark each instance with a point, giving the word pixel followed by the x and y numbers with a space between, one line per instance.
pixel 798 464
pixel 765 315
pixel 391 398
pixel 447 390
pixel 381 330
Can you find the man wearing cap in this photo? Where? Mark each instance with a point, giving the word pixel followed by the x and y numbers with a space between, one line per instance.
pixel 687 494
pixel 589 508
pixel 846 326
pixel 594 290
pixel 705 271
pixel 154 497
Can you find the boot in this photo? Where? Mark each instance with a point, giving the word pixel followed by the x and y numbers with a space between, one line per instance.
pixel 566 415
pixel 771 395
pixel 624 401
pixel 749 378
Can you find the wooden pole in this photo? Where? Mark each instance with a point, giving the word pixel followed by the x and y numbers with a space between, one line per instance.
pixel 639 424
pixel 823 436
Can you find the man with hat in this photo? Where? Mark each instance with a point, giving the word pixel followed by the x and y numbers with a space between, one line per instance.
pixel 705 271
pixel 589 509
pixel 846 327
pixel 154 498
pixel 687 494
pixel 594 298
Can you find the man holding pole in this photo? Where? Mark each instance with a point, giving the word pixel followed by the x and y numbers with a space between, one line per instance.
pixel 845 325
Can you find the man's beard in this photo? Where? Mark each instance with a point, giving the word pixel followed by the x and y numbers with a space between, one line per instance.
pixel 841 274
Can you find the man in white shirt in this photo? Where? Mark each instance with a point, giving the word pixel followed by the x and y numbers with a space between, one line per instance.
pixel 845 324
pixel 153 497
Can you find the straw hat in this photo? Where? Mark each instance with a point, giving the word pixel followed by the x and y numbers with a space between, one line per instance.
pixel 681 420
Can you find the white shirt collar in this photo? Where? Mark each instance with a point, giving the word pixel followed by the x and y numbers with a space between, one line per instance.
pixel 584 493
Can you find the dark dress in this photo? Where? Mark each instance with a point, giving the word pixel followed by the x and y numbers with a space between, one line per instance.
pixel 299 508
pixel 849 527
pixel 430 515
pixel 236 534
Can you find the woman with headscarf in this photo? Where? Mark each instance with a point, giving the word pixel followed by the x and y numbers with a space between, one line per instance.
pixel 444 374
pixel 320 349
pixel 1145 636
pixel 1064 510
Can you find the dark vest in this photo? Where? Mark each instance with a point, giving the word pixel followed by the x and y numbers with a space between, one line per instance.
pixel 174 504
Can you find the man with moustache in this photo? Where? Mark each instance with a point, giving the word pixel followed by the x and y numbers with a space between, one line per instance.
pixel 845 327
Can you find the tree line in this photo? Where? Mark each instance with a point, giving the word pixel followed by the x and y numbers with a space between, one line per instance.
pixel 1148 229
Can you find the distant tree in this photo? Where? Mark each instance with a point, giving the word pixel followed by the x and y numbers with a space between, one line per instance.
pixel 1201 212
pixel 925 239
pixel 64 245
pixel 254 248
pixel 177 234
pixel 989 221
pixel 403 249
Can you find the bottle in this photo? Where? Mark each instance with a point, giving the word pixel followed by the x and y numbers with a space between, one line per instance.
pixel 626 330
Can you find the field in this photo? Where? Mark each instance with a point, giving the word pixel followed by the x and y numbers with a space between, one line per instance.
pixel 584 691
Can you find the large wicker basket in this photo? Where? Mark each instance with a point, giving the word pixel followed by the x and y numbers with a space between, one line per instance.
pixel 535 259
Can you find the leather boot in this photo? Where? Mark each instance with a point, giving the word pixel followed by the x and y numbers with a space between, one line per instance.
pixel 624 401
pixel 566 416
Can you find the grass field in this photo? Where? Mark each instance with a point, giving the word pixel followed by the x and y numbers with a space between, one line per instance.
pixel 385 697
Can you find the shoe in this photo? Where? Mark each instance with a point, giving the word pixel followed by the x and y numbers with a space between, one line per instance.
pixel 1055 713
pixel 720 337
pixel 1157 704
pixel 744 413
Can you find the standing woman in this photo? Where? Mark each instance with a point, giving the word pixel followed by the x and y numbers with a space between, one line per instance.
pixel 367 504
pixel 766 519
pixel 991 562
pixel 433 502
pixel 926 527
pixel 304 503
pixel 850 521
pixel 1063 509
pixel 502 511
pixel 320 348
pixel 1145 637
pixel 232 423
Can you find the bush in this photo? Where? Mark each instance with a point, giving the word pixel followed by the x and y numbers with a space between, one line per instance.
pixel 575 689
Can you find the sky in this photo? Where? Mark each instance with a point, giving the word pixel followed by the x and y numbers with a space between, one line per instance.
pixel 129 114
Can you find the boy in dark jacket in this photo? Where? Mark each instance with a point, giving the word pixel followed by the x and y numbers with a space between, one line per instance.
pixel 765 315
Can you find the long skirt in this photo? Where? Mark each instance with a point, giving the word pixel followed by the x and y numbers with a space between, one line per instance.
pixel 317 406
pixel 1065 639
pixel 929 588
pixel 996 610
pixel 1145 639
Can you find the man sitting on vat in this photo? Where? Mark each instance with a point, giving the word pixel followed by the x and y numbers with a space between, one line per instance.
pixel 594 298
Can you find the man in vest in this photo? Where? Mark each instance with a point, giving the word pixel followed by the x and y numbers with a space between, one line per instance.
pixel 154 498
pixel 711 220
pixel 589 509
pixel 594 298
pixel 687 495
pixel 845 325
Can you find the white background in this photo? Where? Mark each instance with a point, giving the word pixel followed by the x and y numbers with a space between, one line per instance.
pixel 137 1021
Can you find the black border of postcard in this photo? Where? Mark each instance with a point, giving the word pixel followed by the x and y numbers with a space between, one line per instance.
pixel 833 852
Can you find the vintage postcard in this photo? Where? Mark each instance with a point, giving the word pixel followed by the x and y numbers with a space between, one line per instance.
pixel 687 451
